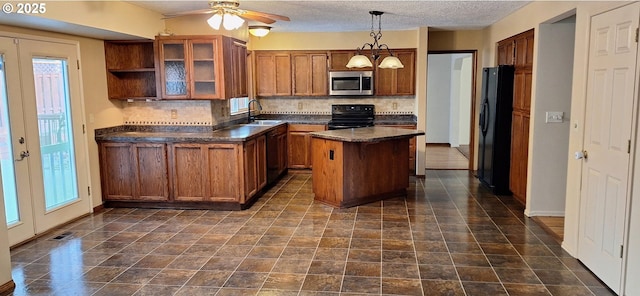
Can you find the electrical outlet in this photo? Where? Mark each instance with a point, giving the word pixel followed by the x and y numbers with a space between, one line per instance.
pixel 174 113
pixel 394 106
pixel 299 105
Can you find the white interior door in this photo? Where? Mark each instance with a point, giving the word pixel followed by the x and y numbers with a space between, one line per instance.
pixel 608 127
pixel 50 133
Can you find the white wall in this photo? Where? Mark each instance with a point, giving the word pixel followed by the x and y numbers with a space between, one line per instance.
pixel 461 96
pixel 438 98
pixel 449 98
pixel 550 141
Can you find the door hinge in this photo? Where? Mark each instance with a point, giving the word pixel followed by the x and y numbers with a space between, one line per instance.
pixel 78 64
pixel 89 190
pixel 637 35
pixel 628 146
pixel 84 130
pixel 621 250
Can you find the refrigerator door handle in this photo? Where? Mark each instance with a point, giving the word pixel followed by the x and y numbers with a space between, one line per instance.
pixel 484 117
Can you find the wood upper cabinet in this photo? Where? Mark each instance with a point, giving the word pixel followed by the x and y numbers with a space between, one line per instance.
pixel 390 82
pixel 309 73
pixel 238 69
pixel 273 73
pixel 131 69
pixel 136 172
pixel 338 60
pixel 505 52
pixel 200 67
pixel 300 144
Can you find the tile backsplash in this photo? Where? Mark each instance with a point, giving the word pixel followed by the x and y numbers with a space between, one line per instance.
pixel 322 105
pixel 215 112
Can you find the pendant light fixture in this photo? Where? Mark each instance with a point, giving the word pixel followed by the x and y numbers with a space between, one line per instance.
pixel 361 61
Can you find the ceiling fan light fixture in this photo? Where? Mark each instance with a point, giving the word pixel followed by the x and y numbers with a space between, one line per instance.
pixel 259 31
pixel 215 21
pixel 390 62
pixel 359 61
pixel 232 21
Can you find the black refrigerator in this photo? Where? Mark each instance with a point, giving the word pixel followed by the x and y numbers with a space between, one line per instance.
pixel 495 128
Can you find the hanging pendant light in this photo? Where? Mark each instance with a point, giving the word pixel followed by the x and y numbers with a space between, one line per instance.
pixel 362 61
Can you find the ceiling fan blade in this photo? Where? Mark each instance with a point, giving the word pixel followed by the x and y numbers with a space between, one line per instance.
pixel 267 15
pixel 257 18
pixel 199 11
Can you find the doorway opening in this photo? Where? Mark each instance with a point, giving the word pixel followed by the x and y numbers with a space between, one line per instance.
pixel 450 110
pixel 550 138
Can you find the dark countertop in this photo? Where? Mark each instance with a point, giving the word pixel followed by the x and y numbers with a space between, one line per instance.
pixel 234 133
pixel 222 133
pixel 367 134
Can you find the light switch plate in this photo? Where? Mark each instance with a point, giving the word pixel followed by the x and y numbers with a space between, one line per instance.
pixel 554 117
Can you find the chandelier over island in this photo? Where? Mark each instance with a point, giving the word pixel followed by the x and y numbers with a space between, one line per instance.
pixel 362 61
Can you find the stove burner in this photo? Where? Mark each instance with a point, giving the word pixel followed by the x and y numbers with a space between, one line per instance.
pixel 351 116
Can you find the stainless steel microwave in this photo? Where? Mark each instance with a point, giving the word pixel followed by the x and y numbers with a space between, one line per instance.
pixel 351 83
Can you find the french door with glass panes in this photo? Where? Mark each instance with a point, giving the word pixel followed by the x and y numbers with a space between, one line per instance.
pixel 42 148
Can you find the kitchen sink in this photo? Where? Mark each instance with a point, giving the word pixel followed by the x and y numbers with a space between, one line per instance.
pixel 265 122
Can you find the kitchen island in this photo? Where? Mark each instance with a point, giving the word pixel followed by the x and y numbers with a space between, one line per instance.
pixel 360 165
pixel 189 167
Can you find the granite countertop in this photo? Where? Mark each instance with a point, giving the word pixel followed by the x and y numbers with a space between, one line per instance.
pixel 229 132
pixel 234 133
pixel 367 134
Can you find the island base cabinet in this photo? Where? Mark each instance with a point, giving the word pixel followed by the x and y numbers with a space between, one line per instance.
pixel 347 174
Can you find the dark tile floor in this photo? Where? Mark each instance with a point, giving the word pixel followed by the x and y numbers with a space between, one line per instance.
pixel 448 237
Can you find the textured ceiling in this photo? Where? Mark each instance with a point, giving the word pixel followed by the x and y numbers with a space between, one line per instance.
pixel 350 15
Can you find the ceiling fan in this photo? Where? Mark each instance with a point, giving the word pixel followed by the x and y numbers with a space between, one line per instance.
pixel 231 8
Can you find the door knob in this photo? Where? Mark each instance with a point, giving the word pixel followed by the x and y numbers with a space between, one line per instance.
pixel 23 155
pixel 581 154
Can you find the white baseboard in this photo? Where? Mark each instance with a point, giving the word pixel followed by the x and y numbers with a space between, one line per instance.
pixel 543 213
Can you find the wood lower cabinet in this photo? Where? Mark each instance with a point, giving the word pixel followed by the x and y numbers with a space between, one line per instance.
pixel 231 172
pixel 277 153
pixel 300 144
pixel 412 147
pixel 183 175
pixel 134 171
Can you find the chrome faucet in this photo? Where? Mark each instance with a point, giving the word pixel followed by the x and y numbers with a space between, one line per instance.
pixel 250 118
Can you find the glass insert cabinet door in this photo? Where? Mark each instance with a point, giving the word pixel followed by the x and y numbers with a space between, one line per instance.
pixel 203 65
pixel 190 68
pixel 174 69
